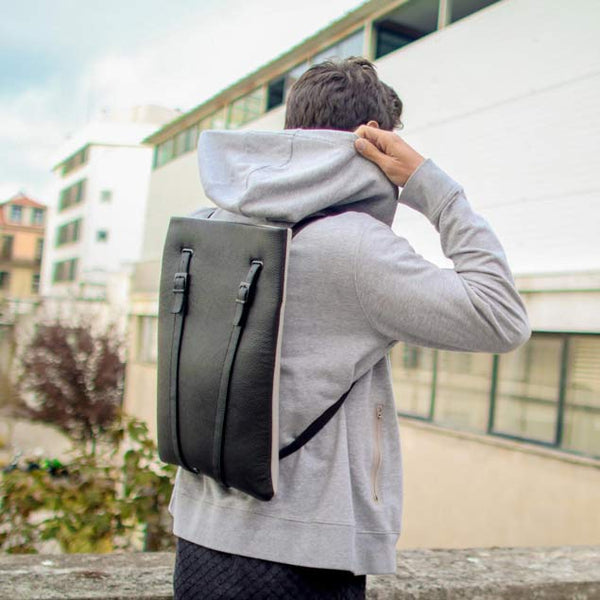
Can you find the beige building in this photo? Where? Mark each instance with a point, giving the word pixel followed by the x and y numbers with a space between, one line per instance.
pixel 22 222
pixel 498 449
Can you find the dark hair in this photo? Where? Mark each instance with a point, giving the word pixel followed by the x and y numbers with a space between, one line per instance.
pixel 342 95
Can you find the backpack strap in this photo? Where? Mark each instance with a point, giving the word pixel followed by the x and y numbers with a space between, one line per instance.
pixel 180 290
pixel 314 427
pixel 241 309
pixel 329 413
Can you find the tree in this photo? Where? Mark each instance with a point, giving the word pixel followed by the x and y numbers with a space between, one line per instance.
pixel 73 377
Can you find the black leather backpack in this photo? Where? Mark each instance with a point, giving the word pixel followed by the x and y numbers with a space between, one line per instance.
pixel 221 304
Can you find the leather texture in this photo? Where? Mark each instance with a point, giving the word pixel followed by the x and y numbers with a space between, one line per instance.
pixel 222 256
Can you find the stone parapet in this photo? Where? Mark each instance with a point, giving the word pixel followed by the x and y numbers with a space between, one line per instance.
pixel 556 573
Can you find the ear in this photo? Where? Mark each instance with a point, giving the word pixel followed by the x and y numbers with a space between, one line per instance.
pixel 373 124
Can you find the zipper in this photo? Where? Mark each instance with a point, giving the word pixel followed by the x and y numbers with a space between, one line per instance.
pixel 377 455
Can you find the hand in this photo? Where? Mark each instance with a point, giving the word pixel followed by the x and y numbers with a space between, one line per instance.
pixel 389 152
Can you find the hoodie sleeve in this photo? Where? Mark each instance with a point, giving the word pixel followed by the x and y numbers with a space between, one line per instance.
pixel 474 307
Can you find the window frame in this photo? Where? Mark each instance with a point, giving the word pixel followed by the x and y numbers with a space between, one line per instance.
pixel 561 390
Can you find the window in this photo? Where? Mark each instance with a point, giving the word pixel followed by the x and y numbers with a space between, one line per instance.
pixel 7 247
pixel 191 138
pixel 101 235
pixel 412 373
pixel 163 153
pixel 4 280
pixel 187 140
pixel 65 270
pixel 545 392
pixel 106 196
pixel 463 389
pixel 409 22
pixel 35 283
pixel 39 248
pixel 147 338
pixel 72 195
pixel 349 46
pixel 581 430
pixel 37 216
pixel 275 93
pixel 459 9
pixel 527 389
pixel 16 213
pixel 247 108
pixel 75 161
pixel 179 143
pixel 68 233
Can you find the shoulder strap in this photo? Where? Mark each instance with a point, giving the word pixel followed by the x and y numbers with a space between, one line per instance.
pixel 328 414
pixel 314 427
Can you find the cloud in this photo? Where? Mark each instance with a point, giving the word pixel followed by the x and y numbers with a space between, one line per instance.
pixel 178 55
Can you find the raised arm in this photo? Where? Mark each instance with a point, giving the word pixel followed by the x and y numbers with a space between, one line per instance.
pixel 474 307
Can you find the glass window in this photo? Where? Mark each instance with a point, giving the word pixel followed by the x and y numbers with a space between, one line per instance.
pixel 581 427
pixel 106 196
pixel 164 152
pixel 101 235
pixel 7 247
pixel 462 390
pixel 191 138
pixel 412 377
pixel 147 338
pixel 65 270
pixel 16 213
pixel 72 195
pixel 68 233
pixel 528 389
pixel 35 283
pixel 75 161
pixel 4 280
pixel 247 108
pixel 459 9
pixel 349 46
pixel 405 24
pixel 179 143
pixel 39 248
pixel 37 216
pixel 275 93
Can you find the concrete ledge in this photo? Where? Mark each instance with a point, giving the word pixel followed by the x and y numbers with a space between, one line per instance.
pixel 557 573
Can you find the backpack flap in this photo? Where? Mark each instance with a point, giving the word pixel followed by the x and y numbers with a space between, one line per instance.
pixel 221 303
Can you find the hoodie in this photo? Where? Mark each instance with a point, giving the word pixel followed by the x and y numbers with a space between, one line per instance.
pixel 355 288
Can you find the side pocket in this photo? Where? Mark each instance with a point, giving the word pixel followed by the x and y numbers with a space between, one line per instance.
pixel 377 455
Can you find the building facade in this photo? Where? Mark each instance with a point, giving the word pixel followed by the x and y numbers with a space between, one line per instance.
pixel 503 96
pixel 22 225
pixel 95 228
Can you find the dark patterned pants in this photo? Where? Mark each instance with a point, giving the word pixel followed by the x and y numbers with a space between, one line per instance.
pixel 205 574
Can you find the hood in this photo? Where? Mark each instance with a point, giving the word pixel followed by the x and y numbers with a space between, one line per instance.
pixel 288 175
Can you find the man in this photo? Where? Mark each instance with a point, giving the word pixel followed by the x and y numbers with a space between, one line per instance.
pixel 355 288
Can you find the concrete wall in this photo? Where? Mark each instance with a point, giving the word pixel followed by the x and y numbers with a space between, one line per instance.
pixel 506 101
pixel 463 489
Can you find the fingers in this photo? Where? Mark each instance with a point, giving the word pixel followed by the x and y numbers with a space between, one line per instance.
pixel 370 151
pixel 379 137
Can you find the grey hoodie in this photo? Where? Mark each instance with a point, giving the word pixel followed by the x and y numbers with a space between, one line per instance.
pixel 355 288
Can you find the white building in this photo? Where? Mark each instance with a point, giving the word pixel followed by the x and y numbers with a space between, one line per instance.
pixel 504 96
pixel 95 228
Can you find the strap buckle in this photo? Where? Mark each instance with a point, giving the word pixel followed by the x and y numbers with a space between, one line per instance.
pixel 243 293
pixel 180 283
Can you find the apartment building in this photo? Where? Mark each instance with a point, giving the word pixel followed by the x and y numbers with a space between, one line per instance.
pixel 96 225
pixel 22 223
pixel 499 449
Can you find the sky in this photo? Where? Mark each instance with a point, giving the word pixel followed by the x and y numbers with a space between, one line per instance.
pixel 63 61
